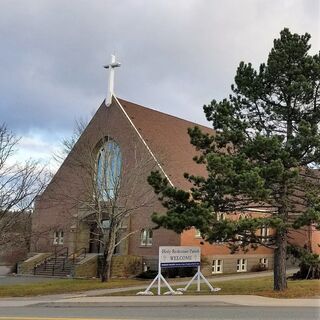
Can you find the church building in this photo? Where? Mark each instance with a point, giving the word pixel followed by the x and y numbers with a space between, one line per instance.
pixel 110 163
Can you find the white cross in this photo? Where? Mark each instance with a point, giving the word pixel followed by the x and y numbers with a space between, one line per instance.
pixel 111 67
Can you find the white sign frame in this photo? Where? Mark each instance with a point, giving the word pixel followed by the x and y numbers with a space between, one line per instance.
pixel 178 256
pixel 182 256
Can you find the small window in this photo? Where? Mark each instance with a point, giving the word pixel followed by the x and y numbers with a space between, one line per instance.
pixel 264 262
pixel 146 237
pixel 105 224
pixel 221 216
pixel 243 216
pixel 217 266
pixel 58 237
pixel 241 265
pixel 197 233
pixel 264 233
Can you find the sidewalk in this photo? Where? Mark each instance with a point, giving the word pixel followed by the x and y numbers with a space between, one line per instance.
pixel 205 300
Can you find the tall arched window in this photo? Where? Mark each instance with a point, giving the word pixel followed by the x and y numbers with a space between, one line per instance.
pixel 108 169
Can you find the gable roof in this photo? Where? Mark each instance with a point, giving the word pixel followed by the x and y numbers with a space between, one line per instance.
pixel 168 139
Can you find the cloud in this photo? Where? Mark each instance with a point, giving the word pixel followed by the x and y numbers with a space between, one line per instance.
pixel 176 55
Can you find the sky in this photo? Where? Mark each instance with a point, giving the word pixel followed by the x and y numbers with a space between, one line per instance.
pixel 176 56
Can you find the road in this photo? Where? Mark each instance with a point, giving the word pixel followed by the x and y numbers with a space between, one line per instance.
pixel 160 313
pixel 160 308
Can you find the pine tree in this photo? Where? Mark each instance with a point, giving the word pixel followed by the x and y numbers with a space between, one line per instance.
pixel 263 155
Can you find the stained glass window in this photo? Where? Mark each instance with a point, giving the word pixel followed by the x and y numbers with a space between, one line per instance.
pixel 108 170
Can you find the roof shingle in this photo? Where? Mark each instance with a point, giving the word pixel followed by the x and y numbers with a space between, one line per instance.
pixel 167 137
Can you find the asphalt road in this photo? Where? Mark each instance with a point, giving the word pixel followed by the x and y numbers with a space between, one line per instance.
pixel 160 313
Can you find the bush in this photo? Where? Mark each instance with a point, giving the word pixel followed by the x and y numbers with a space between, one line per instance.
pixel 169 273
pixel 309 263
pixel 259 267
pixel 149 274
pixel 179 272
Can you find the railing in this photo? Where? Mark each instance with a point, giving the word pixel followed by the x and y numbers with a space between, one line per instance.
pixel 78 253
pixel 63 252
pixel 51 257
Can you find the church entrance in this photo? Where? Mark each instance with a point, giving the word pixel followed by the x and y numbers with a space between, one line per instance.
pixel 94 243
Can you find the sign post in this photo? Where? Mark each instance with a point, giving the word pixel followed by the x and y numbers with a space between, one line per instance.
pixel 173 257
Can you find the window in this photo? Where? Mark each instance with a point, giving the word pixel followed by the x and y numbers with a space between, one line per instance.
pixel 197 233
pixel 264 262
pixel 146 237
pixel 264 232
pixel 217 266
pixel 58 237
pixel 221 216
pixel 108 170
pixel 241 265
pixel 243 216
pixel 105 224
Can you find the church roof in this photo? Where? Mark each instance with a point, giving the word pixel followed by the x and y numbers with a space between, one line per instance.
pixel 168 139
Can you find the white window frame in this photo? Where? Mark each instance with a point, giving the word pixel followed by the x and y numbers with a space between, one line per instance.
pixel 146 237
pixel 264 233
pixel 217 266
pixel 242 265
pixel 58 237
pixel 197 233
pixel 221 216
pixel 264 262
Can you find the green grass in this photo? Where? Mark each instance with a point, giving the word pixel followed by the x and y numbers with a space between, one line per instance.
pixel 63 286
pixel 258 286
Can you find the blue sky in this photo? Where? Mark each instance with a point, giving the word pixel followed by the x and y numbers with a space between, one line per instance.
pixel 175 55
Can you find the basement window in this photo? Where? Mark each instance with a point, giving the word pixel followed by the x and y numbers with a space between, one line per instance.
pixel 217 266
pixel 264 262
pixel 146 237
pixel 241 265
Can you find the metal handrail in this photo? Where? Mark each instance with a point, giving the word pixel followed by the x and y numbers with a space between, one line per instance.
pixel 51 256
pixel 78 253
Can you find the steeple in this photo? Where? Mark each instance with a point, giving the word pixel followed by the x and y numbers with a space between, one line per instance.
pixel 111 67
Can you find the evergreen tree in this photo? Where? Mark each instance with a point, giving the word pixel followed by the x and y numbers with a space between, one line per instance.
pixel 263 155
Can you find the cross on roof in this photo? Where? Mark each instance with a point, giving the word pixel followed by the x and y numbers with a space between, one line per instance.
pixel 111 67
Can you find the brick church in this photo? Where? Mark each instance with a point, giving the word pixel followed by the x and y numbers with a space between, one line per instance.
pixel 136 140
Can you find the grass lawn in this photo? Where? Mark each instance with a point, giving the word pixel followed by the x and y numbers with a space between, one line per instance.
pixel 63 286
pixel 258 286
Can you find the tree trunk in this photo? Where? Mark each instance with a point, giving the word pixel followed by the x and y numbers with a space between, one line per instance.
pixel 107 257
pixel 280 256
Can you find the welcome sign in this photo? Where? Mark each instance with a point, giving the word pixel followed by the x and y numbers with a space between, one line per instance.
pixel 171 257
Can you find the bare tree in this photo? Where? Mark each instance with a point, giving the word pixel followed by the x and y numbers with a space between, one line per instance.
pixel 68 143
pixel 20 184
pixel 111 188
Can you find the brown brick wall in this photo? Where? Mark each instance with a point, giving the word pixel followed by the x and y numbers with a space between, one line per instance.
pixel 57 208
pixel 230 262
